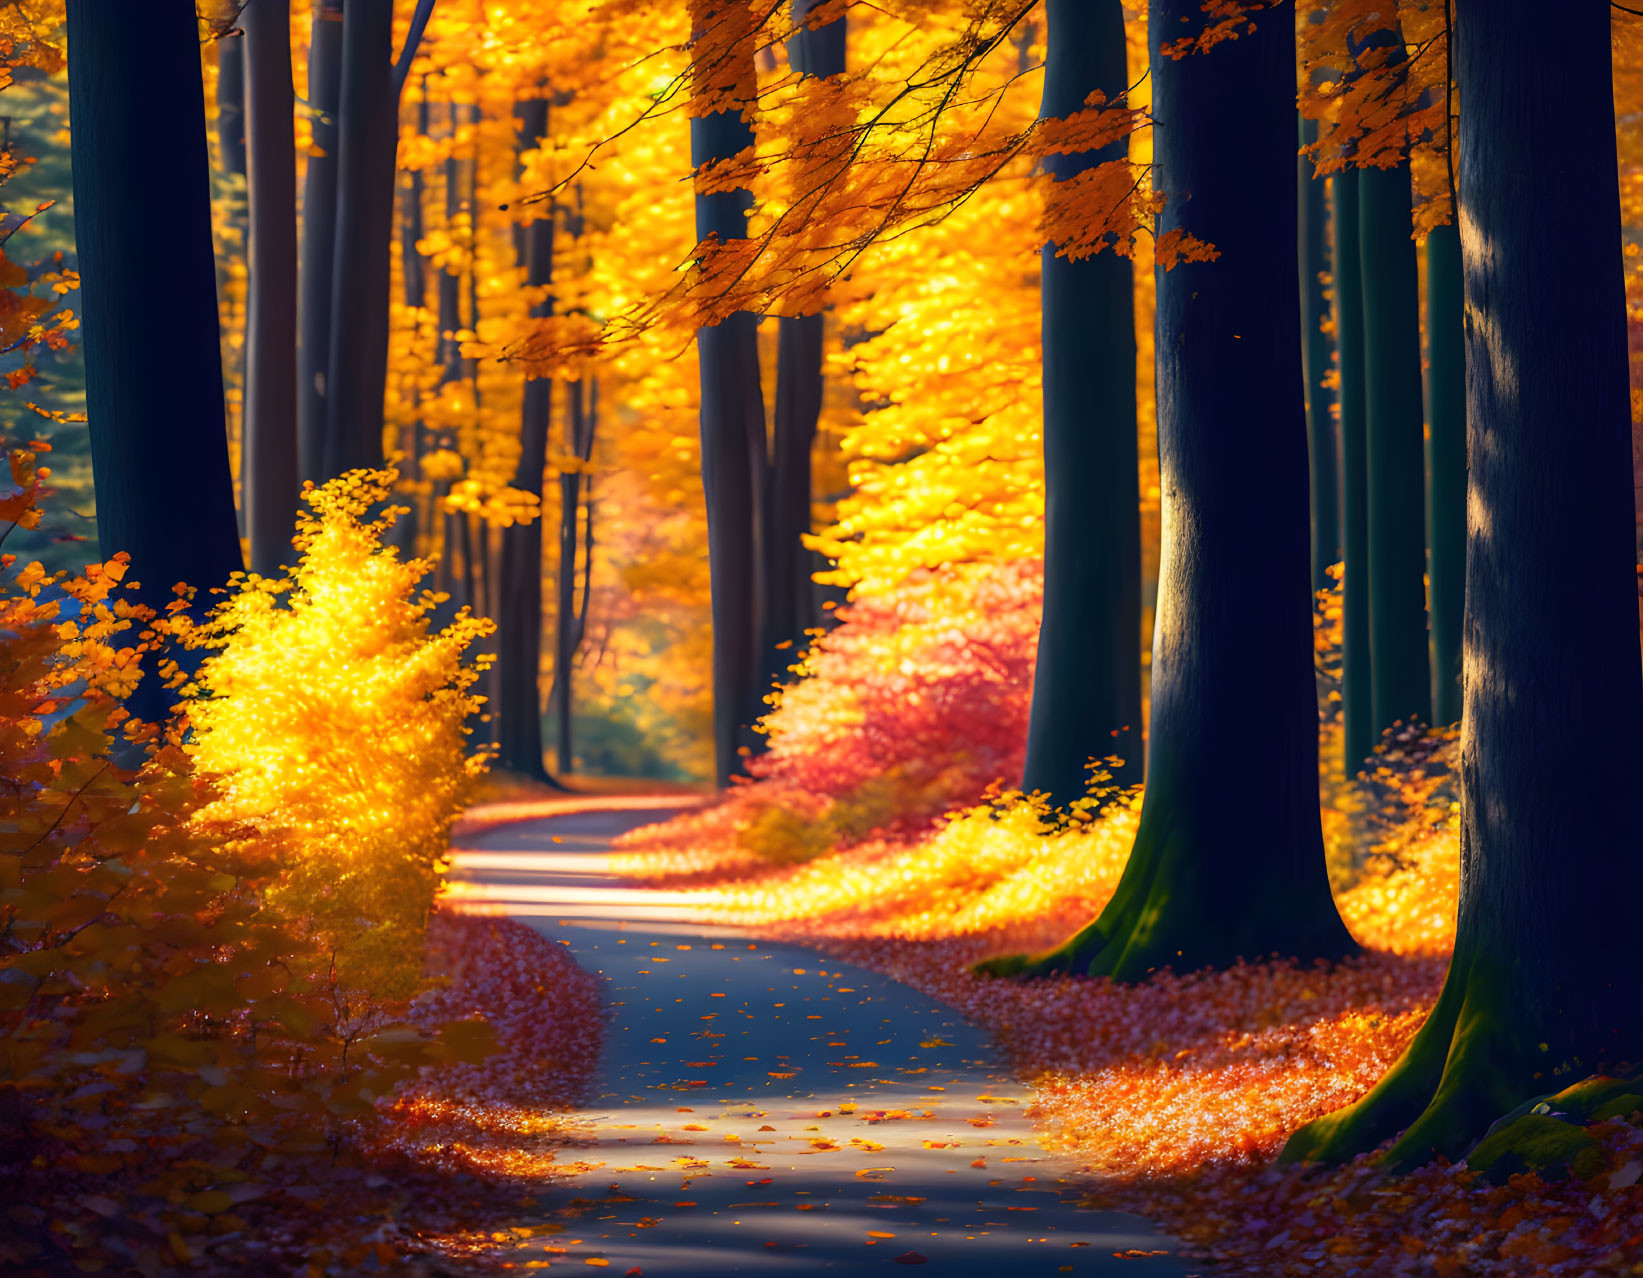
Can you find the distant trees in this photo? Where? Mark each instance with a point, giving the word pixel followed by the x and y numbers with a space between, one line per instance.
pixel 1232 673
pixel 142 220
pixel 1540 990
pixel 1394 471
pixel 1087 686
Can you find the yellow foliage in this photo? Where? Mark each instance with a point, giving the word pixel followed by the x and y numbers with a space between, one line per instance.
pixel 334 712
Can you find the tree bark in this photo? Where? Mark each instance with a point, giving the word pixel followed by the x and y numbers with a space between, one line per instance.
pixel 160 462
pixel 1446 466
pixel 790 608
pixel 1541 989
pixel 1357 667
pixel 1232 669
pixel 1086 703
pixel 733 453
pixel 319 222
pixel 368 138
pixel 271 489
pixel 1315 360
pixel 1394 450
pixel 519 638
pixel 570 624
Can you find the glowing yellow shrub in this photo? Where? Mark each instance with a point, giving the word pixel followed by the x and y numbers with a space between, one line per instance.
pixel 334 713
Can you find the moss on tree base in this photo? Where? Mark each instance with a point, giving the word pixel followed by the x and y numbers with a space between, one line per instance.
pixel 1178 907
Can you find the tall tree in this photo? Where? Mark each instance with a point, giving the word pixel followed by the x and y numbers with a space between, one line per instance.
pixel 1357 668
pixel 1445 466
pixel 732 412
pixel 367 138
pixel 789 597
pixel 154 386
pixel 367 145
pixel 1232 673
pixel 1313 208
pixel 1540 990
pixel 1087 686
pixel 1394 445
pixel 319 223
pixel 575 505
pixel 270 491
pixel 519 631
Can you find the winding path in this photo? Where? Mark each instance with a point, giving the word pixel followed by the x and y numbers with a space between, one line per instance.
pixel 765 1110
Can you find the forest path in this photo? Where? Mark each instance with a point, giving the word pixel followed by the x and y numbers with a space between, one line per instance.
pixel 763 1109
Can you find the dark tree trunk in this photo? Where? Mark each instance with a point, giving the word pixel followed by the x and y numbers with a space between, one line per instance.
pixel 271 488
pixel 368 138
pixel 1315 360
pixel 231 105
pixel 519 637
pixel 1357 667
pixel 1087 684
pixel 319 222
pixel 1446 466
pixel 733 460
pixel 571 623
pixel 790 604
pixel 1394 450
pixel 154 390
pixel 1232 669
pixel 1542 987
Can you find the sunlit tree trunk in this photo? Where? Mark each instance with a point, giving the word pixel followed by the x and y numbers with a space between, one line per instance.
pixel 148 298
pixel 1315 360
pixel 319 221
pixel 1542 986
pixel 1087 684
pixel 271 487
pixel 733 436
pixel 357 370
pixel 519 638
pixel 1446 466
pixel 790 607
pixel 1232 669
pixel 1394 448
pixel 1357 668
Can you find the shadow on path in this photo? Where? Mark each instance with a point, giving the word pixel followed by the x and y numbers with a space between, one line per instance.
pixel 766 1110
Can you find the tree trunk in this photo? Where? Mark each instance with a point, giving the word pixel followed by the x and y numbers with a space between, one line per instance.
pixel 581 423
pixel 319 222
pixel 733 449
pixel 1446 466
pixel 519 637
pixel 1232 670
pixel 1357 668
pixel 1541 989
pixel 159 453
pixel 790 607
pixel 232 139
pixel 1087 684
pixel 271 489
pixel 1394 450
pixel 1315 359
pixel 368 138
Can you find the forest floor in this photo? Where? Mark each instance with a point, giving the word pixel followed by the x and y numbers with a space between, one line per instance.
pixel 762 1108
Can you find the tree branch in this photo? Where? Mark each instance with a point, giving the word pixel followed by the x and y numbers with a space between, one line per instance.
pixel 413 40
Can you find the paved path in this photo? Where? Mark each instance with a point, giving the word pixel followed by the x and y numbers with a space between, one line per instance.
pixel 765 1110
